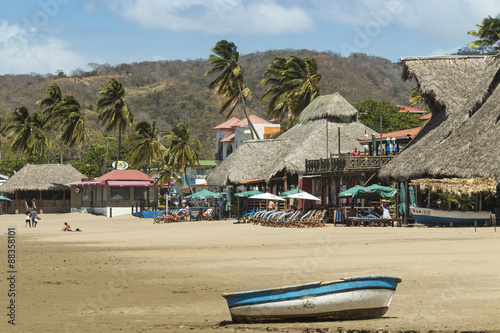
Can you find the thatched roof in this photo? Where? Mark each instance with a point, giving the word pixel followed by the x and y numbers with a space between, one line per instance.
pixel 42 177
pixel 462 137
pixel 329 106
pixel 308 140
pixel 457 185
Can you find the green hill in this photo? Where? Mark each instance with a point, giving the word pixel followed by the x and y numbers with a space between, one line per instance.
pixel 169 92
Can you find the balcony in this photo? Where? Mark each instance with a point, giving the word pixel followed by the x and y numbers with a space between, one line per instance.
pixel 346 164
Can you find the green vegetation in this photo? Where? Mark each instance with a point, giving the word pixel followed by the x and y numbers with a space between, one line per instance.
pixel 488 33
pixel 371 111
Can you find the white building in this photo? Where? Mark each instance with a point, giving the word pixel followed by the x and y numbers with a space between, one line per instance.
pixel 231 134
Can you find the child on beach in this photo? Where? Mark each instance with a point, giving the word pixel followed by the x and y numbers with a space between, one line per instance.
pixel 28 219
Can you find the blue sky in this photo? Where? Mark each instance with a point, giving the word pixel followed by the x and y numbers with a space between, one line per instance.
pixel 43 36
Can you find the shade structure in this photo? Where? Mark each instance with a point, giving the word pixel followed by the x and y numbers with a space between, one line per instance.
pixel 4 198
pixel 351 193
pixel 287 193
pixel 204 194
pixel 247 194
pixel 304 196
pixel 383 192
pixel 266 196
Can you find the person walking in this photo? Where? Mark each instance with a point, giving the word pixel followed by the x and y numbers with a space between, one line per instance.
pixel 28 219
pixel 33 218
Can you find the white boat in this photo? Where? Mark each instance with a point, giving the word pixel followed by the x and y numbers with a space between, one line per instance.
pixel 433 217
pixel 353 298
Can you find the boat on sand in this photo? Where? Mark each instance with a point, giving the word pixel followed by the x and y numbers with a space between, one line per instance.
pixel 361 297
pixel 435 217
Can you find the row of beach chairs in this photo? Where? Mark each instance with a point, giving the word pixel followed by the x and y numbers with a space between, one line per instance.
pixel 292 219
pixel 184 214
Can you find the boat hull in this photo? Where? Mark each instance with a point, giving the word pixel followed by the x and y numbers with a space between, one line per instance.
pixel 433 217
pixel 354 298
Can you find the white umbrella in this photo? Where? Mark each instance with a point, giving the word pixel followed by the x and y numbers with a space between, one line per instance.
pixel 266 196
pixel 303 196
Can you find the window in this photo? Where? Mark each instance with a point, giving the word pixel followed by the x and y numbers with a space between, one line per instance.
pixel 141 193
pixel 120 193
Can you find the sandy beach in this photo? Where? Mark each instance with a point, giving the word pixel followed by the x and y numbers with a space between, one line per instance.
pixel 127 274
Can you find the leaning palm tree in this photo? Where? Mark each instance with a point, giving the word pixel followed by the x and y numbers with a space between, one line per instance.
pixel 488 33
pixel 229 83
pixel 294 84
pixel 115 113
pixel 183 150
pixel 69 115
pixel 49 104
pixel 27 132
pixel 146 146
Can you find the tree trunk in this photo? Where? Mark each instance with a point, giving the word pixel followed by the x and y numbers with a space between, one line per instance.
pixel 119 147
pixel 187 182
pixel 252 128
pixel 93 150
pixel 61 152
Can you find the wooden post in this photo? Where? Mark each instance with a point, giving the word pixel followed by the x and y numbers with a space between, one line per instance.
pixel 339 140
pixel 475 226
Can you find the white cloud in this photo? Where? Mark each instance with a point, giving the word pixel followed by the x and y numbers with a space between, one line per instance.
pixel 443 19
pixel 216 16
pixel 23 51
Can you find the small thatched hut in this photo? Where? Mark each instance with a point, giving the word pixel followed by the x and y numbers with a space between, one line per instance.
pixel 47 184
pixel 462 137
pixel 316 136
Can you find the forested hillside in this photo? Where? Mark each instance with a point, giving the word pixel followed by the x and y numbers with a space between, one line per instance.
pixel 169 92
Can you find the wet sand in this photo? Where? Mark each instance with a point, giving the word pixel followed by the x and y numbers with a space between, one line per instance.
pixel 127 274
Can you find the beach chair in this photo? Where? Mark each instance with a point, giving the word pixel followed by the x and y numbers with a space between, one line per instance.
pixel 288 222
pixel 208 215
pixel 300 223
pixel 281 219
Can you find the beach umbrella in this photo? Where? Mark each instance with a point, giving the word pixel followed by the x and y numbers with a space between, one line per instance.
pixel 287 193
pixel 383 192
pixel 247 194
pixel 266 196
pixel 204 194
pixel 352 192
pixel 303 196
pixel 4 198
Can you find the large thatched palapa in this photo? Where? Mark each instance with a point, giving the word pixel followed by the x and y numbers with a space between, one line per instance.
pixel 315 137
pixel 49 183
pixel 462 137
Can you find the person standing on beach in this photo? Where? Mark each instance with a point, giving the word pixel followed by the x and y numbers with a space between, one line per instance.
pixel 33 218
pixel 28 219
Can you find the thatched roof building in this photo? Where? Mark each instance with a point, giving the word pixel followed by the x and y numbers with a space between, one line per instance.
pixel 315 137
pixel 44 177
pixel 462 137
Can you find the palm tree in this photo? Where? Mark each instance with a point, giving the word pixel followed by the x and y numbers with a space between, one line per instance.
pixel 72 123
pixel 489 34
pixel 294 84
pixel 183 149
pixel 50 103
pixel 229 83
pixel 146 147
pixel 415 96
pixel 27 130
pixel 115 113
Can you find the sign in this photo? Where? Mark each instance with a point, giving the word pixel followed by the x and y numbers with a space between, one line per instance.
pixel 77 190
pixel 122 165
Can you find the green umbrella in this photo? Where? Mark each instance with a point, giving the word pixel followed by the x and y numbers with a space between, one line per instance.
pixel 352 192
pixel 379 191
pixel 204 194
pixel 4 198
pixel 247 194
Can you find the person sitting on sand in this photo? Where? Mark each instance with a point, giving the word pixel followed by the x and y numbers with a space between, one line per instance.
pixel 66 227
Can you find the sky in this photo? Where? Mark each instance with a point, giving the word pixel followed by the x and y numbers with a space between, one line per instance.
pixel 44 36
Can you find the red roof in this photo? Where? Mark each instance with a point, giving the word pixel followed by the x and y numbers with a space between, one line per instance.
pixel 426 117
pixel 410 109
pixel 128 183
pixel 125 175
pixel 228 138
pixel 253 119
pixel 228 124
pixel 411 132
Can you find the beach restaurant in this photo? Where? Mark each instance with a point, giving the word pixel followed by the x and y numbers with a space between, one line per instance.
pixel 118 192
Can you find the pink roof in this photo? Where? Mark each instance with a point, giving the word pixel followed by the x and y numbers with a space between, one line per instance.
pixel 411 132
pixel 228 124
pixel 426 117
pixel 228 138
pixel 125 175
pixel 253 119
pixel 129 183
pixel 410 109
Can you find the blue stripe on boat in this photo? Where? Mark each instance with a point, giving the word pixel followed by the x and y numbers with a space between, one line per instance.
pixel 312 289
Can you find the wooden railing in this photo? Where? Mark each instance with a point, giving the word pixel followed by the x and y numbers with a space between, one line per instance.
pixel 346 164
